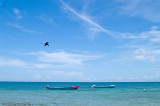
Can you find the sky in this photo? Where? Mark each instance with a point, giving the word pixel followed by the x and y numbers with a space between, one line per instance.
pixel 90 40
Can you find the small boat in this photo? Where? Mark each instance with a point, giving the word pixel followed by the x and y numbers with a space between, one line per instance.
pixel 110 86
pixel 62 88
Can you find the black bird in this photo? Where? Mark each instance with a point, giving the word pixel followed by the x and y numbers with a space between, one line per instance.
pixel 46 44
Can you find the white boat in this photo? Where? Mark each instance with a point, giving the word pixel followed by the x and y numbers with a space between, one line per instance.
pixel 110 86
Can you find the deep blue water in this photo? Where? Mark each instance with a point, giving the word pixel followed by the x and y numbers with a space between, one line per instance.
pixel 124 94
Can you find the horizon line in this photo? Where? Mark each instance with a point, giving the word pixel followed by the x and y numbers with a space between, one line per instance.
pixel 81 81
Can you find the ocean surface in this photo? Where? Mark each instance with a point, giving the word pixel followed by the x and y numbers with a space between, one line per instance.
pixel 124 94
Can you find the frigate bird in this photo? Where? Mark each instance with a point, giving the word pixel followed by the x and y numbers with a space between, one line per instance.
pixel 46 44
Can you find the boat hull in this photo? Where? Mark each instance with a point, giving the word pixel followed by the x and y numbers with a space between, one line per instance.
pixel 63 88
pixel 104 87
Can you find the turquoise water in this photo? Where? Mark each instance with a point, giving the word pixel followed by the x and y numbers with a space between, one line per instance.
pixel 124 94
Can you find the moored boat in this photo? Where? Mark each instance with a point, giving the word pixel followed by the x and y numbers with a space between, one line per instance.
pixel 110 86
pixel 62 88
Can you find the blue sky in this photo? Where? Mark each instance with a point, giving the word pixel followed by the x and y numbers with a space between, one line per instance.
pixel 90 40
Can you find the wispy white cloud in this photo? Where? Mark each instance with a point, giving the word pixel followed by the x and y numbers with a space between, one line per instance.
pixel 40 65
pixel 151 77
pixel 143 54
pixel 144 45
pixel 49 77
pixel 147 9
pixel 86 19
pixel 133 78
pixel 53 60
pixel 152 34
pixel 24 29
pixel 64 58
pixel 68 73
pixel 45 19
pixel 12 62
pixel 37 76
pixel 58 75
pixel 17 12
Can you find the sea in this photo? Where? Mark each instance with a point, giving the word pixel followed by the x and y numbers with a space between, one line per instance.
pixel 124 94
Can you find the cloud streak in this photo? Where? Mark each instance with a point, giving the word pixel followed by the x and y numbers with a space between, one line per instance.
pixel 98 28
pixel 17 13
pixel 152 34
pixel 147 9
pixel 45 19
pixel 149 37
pixel 55 74
pixel 24 29
pixel 144 54
pixel 51 60
pixel 12 62
pixel 84 18
pixel 63 58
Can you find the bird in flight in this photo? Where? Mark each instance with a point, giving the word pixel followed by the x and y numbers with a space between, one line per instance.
pixel 46 44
